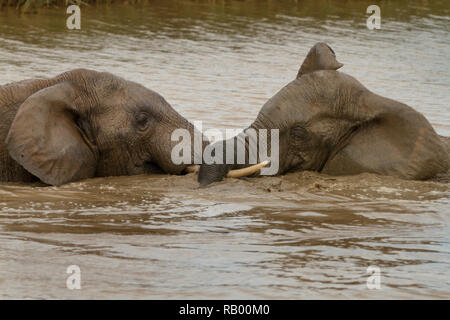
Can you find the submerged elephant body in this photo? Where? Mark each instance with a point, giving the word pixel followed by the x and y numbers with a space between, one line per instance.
pixel 329 122
pixel 83 124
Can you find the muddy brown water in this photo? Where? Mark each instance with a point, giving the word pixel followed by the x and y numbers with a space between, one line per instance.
pixel 302 235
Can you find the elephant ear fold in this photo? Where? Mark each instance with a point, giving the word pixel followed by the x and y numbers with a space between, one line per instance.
pixel 320 57
pixel 44 137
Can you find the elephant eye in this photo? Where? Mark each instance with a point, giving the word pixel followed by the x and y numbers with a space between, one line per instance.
pixel 142 120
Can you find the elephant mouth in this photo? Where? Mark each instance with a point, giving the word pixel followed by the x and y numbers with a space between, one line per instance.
pixel 152 168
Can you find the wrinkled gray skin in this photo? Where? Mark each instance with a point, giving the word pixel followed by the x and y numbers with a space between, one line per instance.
pixel 84 124
pixel 331 123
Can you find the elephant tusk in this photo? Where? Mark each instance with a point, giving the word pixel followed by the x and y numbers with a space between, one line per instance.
pixel 192 169
pixel 247 171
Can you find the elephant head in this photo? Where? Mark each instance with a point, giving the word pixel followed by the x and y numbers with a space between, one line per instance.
pixel 327 121
pixel 83 124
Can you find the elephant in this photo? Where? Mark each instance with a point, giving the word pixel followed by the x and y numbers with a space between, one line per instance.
pixel 83 124
pixel 329 122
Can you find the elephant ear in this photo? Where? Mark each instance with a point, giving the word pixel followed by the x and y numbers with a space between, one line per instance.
pixel 45 139
pixel 320 57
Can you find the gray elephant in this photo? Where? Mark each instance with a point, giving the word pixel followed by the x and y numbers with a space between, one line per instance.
pixel 84 124
pixel 329 122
